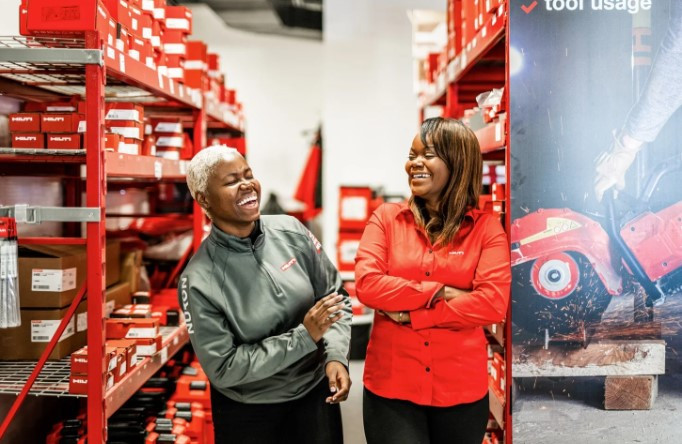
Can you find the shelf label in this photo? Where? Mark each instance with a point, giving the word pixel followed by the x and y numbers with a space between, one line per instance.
pixel 183 167
pixel 81 322
pixel 498 132
pixel 42 331
pixel 158 169
pixel 172 86
pixel 164 354
pixel 160 79
pixel 53 280
pixel 484 31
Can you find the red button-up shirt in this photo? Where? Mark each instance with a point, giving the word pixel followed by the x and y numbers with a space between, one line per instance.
pixel 440 358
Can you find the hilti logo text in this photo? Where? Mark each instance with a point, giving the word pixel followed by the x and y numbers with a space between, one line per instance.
pixel 288 265
pixel 458 253
pixel 26 138
pixel 22 119
pixel 53 119
pixel 60 139
pixel 185 306
pixel 80 381
pixel 81 360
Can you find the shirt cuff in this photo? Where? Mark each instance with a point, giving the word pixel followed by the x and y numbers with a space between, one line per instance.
pixel 433 288
pixel 307 342
pixel 335 356
pixel 422 318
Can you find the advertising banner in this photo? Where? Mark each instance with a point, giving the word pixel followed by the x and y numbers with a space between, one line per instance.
pixel 596 212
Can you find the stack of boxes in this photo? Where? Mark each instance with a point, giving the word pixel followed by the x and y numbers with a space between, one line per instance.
pixel 127 121
pixel 171 141
pixel 53 126
pixel 356 205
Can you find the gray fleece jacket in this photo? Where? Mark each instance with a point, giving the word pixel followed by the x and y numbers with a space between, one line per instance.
pixel 244 305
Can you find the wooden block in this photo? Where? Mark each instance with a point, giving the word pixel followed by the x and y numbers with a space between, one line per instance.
pixel 602 358
pixel 496 406
pixel 630 392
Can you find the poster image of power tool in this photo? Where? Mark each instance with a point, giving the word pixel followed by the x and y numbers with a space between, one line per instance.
pixel 596 208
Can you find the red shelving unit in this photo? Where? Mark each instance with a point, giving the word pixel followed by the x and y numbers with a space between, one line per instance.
pixel 480 66
pixel 49 69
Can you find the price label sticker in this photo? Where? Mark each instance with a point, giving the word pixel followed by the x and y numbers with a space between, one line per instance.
pixel 164 354
pixel 158 169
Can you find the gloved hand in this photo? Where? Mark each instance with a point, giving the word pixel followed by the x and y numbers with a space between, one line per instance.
pixel 612 165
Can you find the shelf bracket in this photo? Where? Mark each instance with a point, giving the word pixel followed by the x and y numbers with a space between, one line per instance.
pixel 36 214
pixel 53 55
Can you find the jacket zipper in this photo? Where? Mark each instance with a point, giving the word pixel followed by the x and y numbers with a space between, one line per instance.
pixel 263 267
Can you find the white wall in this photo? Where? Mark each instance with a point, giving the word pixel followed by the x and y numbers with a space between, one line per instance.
pixel 279 80
pixel 370 111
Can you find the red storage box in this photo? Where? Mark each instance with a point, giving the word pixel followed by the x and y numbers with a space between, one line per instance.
pixel 79 360
pixel 65 141
pixel 198 51
pixel 179 18
pixel 354 207
pixel 132 328
pixel 28 140
pixel 119 10
pixel 124 111
pixel 195 78
pixel 347 248
pixel 130 348
pixel 149 346
pixel 62 123
pixel 112 141
pixel 62 17
pixel 130 146
pixel 126 128
pixel 78 384
pixel 24 123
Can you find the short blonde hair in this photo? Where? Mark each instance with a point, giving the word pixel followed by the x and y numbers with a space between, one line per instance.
pixel 203 164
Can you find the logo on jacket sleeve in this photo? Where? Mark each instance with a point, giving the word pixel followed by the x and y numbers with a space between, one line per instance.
pixel 318 245
pixel 288 265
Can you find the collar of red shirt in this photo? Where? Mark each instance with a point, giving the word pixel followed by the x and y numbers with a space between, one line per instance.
pixel 473 214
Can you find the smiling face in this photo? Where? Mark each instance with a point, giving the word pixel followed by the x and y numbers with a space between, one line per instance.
pixel 427 173
pixel 232 197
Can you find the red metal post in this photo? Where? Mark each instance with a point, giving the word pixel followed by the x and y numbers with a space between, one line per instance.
pixel 507 223
pixel 199 141
pixel 95 198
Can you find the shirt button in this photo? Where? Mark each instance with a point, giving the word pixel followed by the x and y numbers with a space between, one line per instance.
pixel 428 369
pixel 428 274
pixel 426 343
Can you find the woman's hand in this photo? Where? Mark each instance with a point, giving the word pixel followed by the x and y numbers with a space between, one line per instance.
pixel 322 315
pixel 448 293
pixel 400 317
pixel 339 382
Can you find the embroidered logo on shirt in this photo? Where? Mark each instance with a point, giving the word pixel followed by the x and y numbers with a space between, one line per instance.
pixel 288 265
pixel 318 245
pixel 457 252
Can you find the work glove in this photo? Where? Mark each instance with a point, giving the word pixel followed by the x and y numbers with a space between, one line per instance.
pixel 611 166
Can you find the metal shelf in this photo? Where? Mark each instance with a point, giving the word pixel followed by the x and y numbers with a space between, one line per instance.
pixel 117 165
pixel 486 39
pixel 56 65
pixel 53 380
pixel 174 338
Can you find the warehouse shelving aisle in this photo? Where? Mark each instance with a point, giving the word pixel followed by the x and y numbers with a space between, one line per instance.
pixel 475 61
pixel 92 68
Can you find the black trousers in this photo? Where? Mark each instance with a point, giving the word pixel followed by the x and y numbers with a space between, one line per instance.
pixel 396 421
pixel 309 420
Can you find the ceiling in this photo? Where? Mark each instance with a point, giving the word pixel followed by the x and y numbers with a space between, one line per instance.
pixel 291 18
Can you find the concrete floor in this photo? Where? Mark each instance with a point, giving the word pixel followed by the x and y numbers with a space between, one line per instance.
pixel 570 410
pixel 351 409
